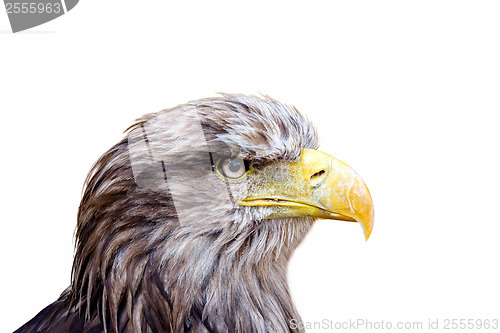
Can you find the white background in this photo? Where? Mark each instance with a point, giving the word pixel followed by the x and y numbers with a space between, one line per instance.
pixel 406 92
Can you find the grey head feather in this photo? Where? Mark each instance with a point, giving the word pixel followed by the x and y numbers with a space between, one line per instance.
pixel 139 268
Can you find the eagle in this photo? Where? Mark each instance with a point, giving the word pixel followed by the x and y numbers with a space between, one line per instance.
pixel 188 223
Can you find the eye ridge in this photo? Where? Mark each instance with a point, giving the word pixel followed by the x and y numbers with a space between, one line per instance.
pixel 232 167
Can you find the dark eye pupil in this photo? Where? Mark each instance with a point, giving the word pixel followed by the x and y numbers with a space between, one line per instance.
pixel 234 166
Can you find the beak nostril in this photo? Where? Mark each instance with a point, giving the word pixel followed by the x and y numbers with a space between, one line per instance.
pixel 317 178
pixel 318 174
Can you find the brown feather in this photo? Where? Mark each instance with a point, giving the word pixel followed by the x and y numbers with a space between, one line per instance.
pixel 136 269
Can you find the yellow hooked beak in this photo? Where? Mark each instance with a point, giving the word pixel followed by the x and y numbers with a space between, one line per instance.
pixel 318 186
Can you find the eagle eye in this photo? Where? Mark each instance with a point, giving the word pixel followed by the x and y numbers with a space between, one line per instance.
pixel 232 168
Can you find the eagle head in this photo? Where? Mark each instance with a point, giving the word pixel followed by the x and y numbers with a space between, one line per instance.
pixel 188 223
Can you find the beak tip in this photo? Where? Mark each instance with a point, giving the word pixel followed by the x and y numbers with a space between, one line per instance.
pixel 367 226
pixel 367 234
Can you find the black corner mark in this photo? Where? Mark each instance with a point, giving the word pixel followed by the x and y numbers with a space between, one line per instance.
pixel 26 14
